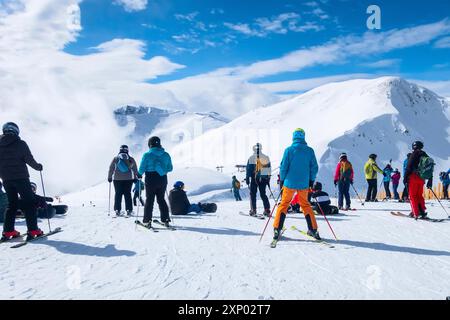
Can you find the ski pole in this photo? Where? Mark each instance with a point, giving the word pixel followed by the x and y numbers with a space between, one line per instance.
pixel 170 211
pixel 336 195
pixel 43 190
pixel 276 205
pixel 362 203
pixel 329 225
pixel 109 200
pixel 271 193
pixel 139 198
pixel 434 194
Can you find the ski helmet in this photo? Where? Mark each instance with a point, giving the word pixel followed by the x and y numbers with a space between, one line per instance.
pixel 33 186
pixel 343 156
pixel 178 185
pixel 257 147
pixel 154 142
pixel 317 186
pixel 124 149
pixel 11 127
pixel 373 156
pixel 417 145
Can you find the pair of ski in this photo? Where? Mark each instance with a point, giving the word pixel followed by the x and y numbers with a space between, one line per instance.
pixel 274 242
pixel 400 214
pixel 25 242
pixel 257 216
pixel 122 215
pixel 139 223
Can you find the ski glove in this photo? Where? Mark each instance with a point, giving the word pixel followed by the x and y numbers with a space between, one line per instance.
pixel 351 182
pixel 40 167
pixel 109 180
pixel 430 183
pixel 335 183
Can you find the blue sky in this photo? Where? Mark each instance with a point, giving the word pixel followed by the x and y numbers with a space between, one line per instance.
pixel 210 34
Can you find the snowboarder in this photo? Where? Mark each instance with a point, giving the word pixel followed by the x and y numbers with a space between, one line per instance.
pixel 395 182
pixel 343 178
pixel 419 168
pixel 445 179
pixel 321 200
pixel 14 158
pixel 298 171
pixel 137 192
pixel 405 195
pixel 370 170
pixel 155 164
pixel 258 173
pixel 235 187
pixel 387 180
pixel 123 172
pixel 179 202
pixel 3 203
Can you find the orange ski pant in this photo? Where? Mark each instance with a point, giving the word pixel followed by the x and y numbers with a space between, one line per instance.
pixel 286 199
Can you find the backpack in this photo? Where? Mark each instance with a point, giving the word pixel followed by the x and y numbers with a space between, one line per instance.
pixel 346 171
pixel 425 167
pixel 122 165
pixel 237 185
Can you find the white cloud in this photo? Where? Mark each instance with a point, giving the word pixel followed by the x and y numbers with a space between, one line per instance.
pixel 443 43
pixel 383 63
pixel 440 87
pixel 132 5
pixel 188 17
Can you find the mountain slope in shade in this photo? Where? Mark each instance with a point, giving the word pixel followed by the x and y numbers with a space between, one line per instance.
pixel 359 117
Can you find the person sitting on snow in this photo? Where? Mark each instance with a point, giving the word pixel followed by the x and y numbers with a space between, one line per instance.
pixel 179 202
pixel 321 200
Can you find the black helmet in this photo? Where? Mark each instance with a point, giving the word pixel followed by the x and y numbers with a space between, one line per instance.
pixel 417 145
pixel 373 156
pixel 317 186
pixel 11 128
pixel 154 142
pixel 124 149
pixel 342 156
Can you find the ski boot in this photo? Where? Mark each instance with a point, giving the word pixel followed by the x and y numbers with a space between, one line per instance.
pixel 129 213
pixel 348 209
pixel 276 234
pixel 117 213
pixel 10 235
pixel 423 215
pixel 252 213
pixel 34 234
pixel 314 233
pixel 267 212
pixel 167 225
pixel 148 225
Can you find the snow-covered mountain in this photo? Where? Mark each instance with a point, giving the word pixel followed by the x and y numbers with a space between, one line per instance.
pixel 172 126
pixel 382 116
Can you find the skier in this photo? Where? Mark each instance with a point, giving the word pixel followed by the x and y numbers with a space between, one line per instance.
pixel 419 168
pixel 343 178
pixel 179 202
pixel 137 192
pixel 405 195
pixel 14 158
pixel 370 169
pixel 387 180
pixel 321 200
pixel 155 164
pixel 258 173
pixel 3 203
pixel 395 182
pixel 298 171
pixel 123 171
pixel 445 179
pixel 235 187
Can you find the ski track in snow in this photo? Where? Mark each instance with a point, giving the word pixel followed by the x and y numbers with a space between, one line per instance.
pixel 218 256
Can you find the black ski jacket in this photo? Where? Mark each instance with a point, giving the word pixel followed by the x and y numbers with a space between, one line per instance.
pixel 413 163
pixel 179 203
pixel 14 157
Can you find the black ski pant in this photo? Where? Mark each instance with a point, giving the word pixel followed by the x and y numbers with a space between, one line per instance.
pixel 405 194
pixel 372 189
pixel 155 187
pixel 123 189
pixel 255 185
pixel 137 196
pixel 445 187
pixel 387 189
pixel 237 195
pixel 13 189
pixel 344 192
pixel 396 195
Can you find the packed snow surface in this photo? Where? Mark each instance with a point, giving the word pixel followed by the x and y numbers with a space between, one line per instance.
pixel 218 256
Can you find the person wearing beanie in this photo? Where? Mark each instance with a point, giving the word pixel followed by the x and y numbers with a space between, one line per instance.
pixel 298 172
pixel 15 155
pixel 387 180
pixel 123 172
pixel 343 178
pixel 370 170
pixel 155 164
pixel 395 182
pixel 258 172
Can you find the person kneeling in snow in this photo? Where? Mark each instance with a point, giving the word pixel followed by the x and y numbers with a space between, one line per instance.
pixel 321 200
